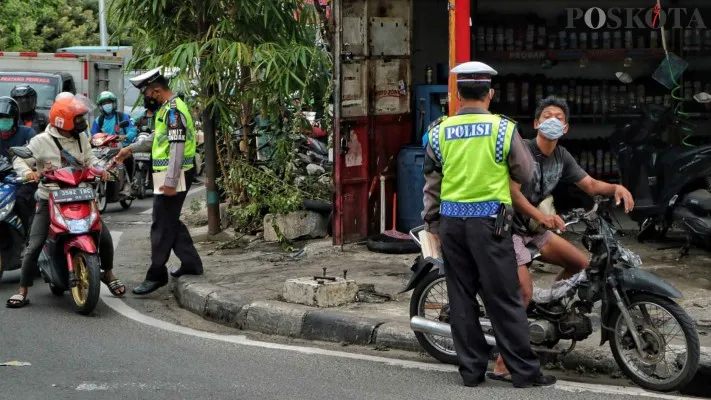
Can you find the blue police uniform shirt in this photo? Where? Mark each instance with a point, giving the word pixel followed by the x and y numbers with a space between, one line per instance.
pixel 110 124
pixel 20 138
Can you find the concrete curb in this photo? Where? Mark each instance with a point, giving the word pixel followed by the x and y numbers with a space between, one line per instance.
pixel 228 308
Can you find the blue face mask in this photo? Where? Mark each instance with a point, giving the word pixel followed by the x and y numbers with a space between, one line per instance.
pixel 6 124
pixel 108 108
pixel 552 129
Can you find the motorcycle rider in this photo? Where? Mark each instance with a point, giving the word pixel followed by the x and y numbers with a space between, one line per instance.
pixel 146 120
pixel 62 144
pixel 26 98
pixel 108 122
pixel 554 164
pixel 13 133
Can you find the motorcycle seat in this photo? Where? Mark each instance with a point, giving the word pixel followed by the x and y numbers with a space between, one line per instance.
pixel 669 157
pixel 535 252
pixel 698 201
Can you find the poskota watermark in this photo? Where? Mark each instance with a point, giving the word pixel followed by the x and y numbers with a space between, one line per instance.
pixel 635 18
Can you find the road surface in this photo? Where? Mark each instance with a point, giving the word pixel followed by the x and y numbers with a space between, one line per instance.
pixel 120 352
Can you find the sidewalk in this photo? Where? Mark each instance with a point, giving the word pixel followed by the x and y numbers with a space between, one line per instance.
pixel 242 288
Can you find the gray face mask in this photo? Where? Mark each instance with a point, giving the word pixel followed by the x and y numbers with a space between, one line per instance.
pixel 552 129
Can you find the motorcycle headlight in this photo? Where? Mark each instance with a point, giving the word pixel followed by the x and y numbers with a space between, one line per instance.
pixel 629 257
pixel 97 142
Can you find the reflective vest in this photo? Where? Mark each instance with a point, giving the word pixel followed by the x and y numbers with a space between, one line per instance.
pixel 173 123
pixel 473 150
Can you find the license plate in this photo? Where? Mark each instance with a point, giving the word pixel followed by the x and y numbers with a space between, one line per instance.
pixel 142 156
pixel 77 226
pixel 73 195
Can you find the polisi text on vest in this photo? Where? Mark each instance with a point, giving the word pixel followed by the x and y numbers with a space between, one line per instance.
pixel 635 18
pixel 467 131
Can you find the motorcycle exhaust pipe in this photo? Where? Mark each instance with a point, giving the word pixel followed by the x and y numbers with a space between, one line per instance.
pixel 419 324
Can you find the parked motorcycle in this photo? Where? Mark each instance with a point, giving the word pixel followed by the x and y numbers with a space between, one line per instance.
pixel 630 297
pixel 12 232
pixel 670 183
pixel 69 260
pixel 142 176
pixel 114 190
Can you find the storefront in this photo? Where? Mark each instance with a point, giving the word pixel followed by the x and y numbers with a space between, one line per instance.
pixel 395 57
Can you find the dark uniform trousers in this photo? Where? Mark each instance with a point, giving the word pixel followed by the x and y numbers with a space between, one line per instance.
pixel 169 233
pixel 474 260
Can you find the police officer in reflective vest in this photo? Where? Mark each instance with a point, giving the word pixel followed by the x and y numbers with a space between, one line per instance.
pixel 467 205
pixel 172 147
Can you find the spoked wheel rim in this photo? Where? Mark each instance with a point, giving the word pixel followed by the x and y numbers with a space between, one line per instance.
pixel 81 271
pixel 434 305
pixel 666 351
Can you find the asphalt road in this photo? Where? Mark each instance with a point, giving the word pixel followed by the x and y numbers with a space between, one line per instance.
pixel 119 352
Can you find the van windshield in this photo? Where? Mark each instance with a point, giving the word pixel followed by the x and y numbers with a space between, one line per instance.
pixel 45 87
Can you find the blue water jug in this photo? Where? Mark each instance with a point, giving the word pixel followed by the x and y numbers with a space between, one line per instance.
pixel 410 183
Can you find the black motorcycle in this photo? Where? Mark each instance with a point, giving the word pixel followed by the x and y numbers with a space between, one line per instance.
pixel 637 314
pixel 670 183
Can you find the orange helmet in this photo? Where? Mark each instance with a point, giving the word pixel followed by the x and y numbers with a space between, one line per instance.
pixel 64 110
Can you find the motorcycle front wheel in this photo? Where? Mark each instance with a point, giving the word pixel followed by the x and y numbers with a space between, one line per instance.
pixel 85 294
pixel 661 366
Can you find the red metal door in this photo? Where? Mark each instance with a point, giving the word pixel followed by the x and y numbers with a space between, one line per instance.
pixel 373 120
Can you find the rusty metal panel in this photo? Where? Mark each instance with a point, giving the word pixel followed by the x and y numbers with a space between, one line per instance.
pixel 354 90
pixel 389 36
pixel 392 94
pixel 354 27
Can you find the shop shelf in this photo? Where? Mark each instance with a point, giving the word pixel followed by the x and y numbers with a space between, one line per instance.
pixel 571 55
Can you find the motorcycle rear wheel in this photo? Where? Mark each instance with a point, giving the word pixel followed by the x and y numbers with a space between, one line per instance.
pixel 439 347
pixel 139 181
pixel 101 201
pixel 56 290
pixel 688 328
pixel 85 295
pixel 126 204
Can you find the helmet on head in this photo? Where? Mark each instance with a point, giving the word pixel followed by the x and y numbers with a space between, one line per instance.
pixel 64 111
pixel 26 98
pixel 9 116
pixel 107 101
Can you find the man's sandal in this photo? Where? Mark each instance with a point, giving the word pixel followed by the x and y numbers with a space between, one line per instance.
pixel 114 286
pixel 17 301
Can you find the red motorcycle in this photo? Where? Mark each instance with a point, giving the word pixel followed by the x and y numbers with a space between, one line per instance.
pixel 117 188
pixel 70 258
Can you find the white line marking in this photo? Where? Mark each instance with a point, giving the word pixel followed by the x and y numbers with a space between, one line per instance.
pixel 122 308
pixel 190 193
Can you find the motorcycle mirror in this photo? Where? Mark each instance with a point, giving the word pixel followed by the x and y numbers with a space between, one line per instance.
pixel 624 77
pixel 702 97
pixel 21 151
pixel 124 124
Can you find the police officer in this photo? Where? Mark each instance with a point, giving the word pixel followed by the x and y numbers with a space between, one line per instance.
pixel 172 147
pixel 26 98
pixel 470 159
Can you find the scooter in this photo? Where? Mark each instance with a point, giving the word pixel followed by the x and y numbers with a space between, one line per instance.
pixel 69 260
pixel 12 232
pixel 117 188
pixel 632 301
pixel 670 183
pixel 142 177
